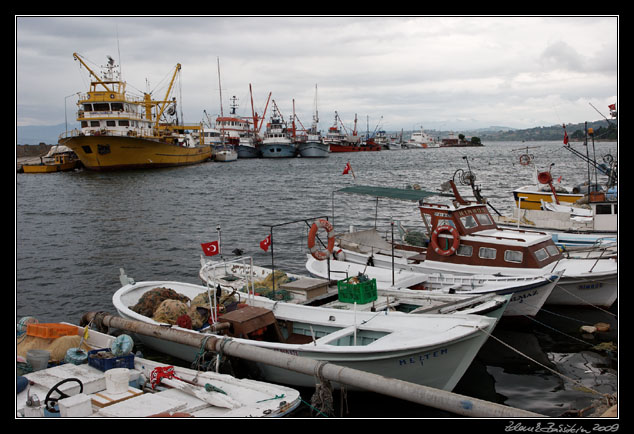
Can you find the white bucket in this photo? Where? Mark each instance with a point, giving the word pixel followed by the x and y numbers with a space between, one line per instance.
pixel 117 380
pixel 38 359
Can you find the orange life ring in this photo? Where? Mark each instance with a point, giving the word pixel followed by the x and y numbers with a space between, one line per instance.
pixel 434 240
pixel 320 255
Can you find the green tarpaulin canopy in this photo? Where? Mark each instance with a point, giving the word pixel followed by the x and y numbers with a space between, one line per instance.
pixel 390 192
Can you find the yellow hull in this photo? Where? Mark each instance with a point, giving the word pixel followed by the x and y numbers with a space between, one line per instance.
pixel 532 199
pixel 119 153
pixel 49 168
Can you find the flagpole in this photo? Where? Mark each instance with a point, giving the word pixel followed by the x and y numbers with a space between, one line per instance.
pixel 219 241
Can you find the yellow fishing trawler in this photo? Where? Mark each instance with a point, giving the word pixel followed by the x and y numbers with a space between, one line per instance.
pixel 120 131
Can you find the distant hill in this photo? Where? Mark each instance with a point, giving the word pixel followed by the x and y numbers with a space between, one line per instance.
pixel 602 131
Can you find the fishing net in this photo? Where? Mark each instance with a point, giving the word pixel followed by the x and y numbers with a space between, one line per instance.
pixel 151 300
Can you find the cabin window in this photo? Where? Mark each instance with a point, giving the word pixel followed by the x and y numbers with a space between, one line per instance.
pixel 124 123
pixel 117 106
pixel 103 149
pixel 102 107
pixel 94 123
pixel 541 255
pixel 603 209
pixel 84 124
pixel 464 250
pixel 513 256
pixel 487 253
pixel 552 250
pixel 446 222
pixel 468 222
pixel 87 149
pixel 111 123
pixel 484 219
pixel 88 107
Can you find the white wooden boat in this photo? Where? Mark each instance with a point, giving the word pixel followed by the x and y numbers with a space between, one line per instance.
pixel 186 394
pixel 316 291
pixel 429 349
pixel 528 293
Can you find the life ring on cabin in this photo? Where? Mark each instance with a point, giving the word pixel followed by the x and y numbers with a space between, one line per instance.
pixel 525 160
pixel 318 254
pixel 454 246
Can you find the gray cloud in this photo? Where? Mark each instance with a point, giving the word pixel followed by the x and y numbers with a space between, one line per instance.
pixel 412 71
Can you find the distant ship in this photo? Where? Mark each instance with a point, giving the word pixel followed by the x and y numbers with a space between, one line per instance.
pixel 119 131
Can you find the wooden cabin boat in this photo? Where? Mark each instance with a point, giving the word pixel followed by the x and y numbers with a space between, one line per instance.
pixel 466 240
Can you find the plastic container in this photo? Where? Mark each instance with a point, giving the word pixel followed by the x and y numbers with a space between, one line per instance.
pixel 38 359
pixel 117 380
pixel 360 293
pixel 76 356
pixel 50 330
pixel 104 360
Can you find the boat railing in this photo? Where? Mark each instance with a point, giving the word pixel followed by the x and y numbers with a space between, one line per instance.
pixel 208 274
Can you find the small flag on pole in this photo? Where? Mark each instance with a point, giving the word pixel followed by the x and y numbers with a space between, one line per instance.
pixel 348 169
pixel 265 243
pixel 210 249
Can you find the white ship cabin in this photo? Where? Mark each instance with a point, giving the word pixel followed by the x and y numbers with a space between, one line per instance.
pixel 476 240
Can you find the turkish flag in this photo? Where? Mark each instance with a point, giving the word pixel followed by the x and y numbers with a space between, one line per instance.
pixel 346 169
pixel 265 243
pixel 565 138
pixel 210 249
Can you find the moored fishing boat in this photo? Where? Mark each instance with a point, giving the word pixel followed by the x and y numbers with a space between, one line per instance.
pixel 58 159
pixel 300 289
pixel 119 131
pixel 429 349
pixel 420 139
pixel 527 294
pixel 83 383
pixel 277 142
pixel 466 240
pixel 313 145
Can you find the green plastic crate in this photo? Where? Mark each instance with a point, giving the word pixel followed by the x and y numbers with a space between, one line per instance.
pixel 361 293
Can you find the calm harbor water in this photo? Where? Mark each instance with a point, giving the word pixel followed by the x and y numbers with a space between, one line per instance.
pixel 75 230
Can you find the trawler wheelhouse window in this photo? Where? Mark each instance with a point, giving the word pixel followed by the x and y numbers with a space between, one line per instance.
pixel 541 254
pixel 487 253
pixel 484 219
pixel 468 222
pixel 464 250
pixel 513 256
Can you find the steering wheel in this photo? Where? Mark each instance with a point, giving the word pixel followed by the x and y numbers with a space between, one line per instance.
pixel 51 402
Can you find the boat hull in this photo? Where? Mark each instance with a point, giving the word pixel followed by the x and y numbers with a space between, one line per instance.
pixel 533 199
pixel 432 350
pixel 313 150
pixel 106 153
pixel 248 152
pixel 335 147
pixel 528 294
pixel 49 168
pixel 278 150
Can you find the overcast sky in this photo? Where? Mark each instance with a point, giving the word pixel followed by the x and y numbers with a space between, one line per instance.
pixel 450 73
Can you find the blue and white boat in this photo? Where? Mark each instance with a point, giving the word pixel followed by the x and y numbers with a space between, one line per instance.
pixel 277 142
